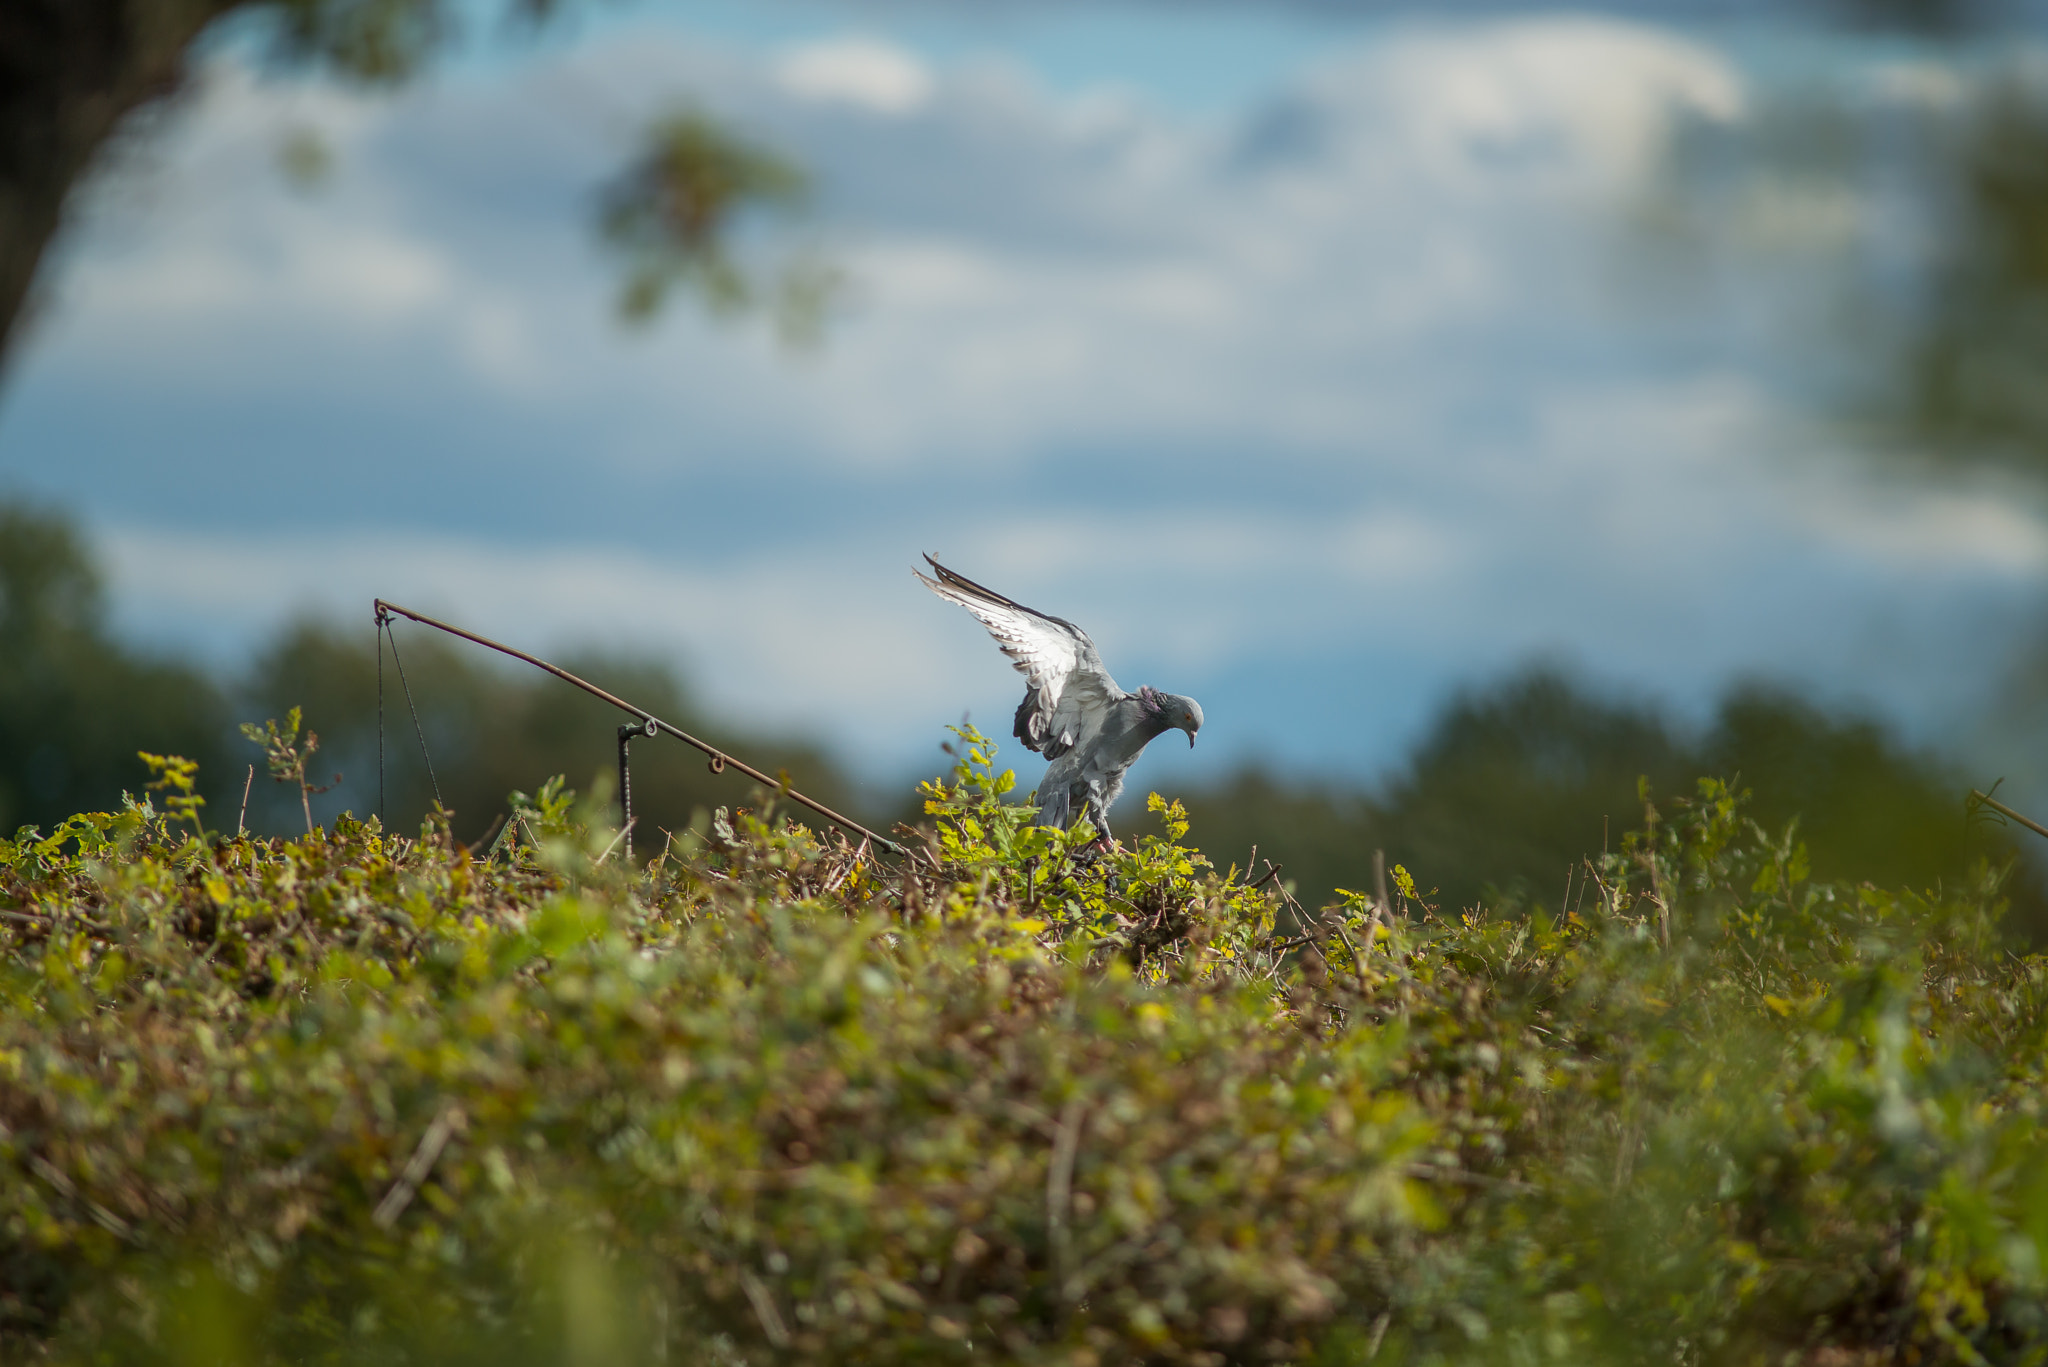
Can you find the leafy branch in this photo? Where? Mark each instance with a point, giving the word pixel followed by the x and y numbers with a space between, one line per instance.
pixel 177 778
pixel 287 757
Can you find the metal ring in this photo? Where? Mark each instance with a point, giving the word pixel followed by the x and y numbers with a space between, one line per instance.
pixel 718 764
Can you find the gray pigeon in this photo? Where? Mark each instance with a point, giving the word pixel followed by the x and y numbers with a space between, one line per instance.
pixel 1073 713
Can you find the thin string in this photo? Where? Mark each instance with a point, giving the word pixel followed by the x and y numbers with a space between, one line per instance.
pixel 418 730
pixel 383 625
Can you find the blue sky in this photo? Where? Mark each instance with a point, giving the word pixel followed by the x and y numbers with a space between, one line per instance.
pixel 1316 366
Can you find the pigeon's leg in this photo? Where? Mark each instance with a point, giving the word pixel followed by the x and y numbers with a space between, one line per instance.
pixel 1098 817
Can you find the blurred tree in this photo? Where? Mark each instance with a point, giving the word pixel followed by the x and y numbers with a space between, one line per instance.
pixel 1518 782
pixel 665 218
pixel 75 707
pixel 1921 214
pixel 1867 807
pixel 1964 386
pixel 1936 17
pixel 1512 785
pixel 1954 388
pixel 77 76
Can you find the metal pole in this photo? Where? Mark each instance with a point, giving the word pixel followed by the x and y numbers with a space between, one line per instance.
pixel 383 625
pixel 1985 799
pixel 628 730
pixel 626 734
pixel 652 725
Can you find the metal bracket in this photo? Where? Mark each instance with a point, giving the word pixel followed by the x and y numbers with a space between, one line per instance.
pixel 646 727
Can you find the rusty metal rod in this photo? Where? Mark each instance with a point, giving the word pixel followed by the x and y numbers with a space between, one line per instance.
pixel 1986 800
pixel 655 725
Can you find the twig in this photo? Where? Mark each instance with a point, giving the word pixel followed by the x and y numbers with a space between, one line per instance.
pixel 242 820
pixel 1379 1332
pixel 1033 1117
pixel 509 834
pixel 840 877
pixel 418 1166
pixel 1607 900
pixel 624 831
pixel 764 1309
pixel 1625 1153
pixel 490 831
pixel 1372 926
pixel 1357 959
pixel 37 918
pixel 1272 872
pixel 1648 859
pixel 1059 1191
pixel 1465 1178
pixel 1986 800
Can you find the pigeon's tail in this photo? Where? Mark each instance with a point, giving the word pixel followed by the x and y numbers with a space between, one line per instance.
pixel 1056 808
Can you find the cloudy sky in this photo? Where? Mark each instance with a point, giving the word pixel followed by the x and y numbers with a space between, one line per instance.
pixel 1316 367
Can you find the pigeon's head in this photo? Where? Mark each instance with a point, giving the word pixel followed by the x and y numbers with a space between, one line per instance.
pixel 1176 712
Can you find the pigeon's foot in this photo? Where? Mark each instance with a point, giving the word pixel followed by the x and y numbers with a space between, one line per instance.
pixel 1095 849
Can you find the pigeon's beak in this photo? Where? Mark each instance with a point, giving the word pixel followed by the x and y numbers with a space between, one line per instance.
pixel 1191 740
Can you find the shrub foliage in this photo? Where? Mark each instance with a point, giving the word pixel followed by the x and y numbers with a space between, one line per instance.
pixel 352 1097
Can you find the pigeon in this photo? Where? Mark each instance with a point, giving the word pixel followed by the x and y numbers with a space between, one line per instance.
pixel 1073 713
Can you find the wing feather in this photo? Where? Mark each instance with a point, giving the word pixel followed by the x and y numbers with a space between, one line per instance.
pixel 1068 691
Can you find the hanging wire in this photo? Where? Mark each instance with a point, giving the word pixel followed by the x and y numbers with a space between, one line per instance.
pixel 417 729
pixel 1977 804
pixel 383 625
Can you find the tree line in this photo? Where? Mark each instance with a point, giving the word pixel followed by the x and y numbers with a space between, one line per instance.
pixel 1515 783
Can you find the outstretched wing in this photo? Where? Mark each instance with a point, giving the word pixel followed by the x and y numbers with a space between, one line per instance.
pixel 1069 693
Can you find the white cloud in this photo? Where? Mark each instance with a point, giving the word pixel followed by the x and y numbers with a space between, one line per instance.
pixel 1344 377
pixel 770 637
pixel 863 72
pixel 1995 531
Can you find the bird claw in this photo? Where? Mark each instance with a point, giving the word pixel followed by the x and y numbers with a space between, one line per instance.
pixel 1095 849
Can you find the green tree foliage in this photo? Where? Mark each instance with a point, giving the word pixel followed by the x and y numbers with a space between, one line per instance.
pixel 1964 385
pixel 1927 341
pixel 344 1097
pixel 669 215
pixel 75 75
pixel 76 706
pixel 1517 784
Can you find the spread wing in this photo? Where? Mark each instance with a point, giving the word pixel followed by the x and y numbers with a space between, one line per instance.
pixel 1068 694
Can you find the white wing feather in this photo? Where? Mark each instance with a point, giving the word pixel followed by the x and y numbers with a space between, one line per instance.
pixel 1074 692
